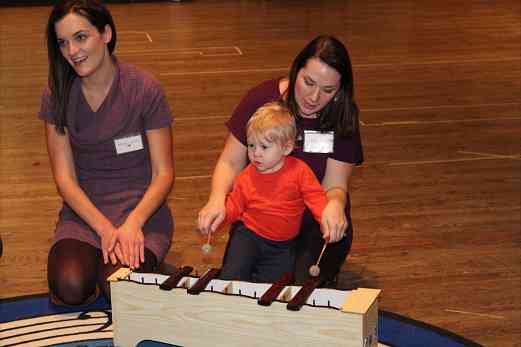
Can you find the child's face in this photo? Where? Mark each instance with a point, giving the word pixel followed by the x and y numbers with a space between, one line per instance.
pixel 266 156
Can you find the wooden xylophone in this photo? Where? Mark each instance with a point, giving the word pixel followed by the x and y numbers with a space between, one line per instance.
pixel 189 311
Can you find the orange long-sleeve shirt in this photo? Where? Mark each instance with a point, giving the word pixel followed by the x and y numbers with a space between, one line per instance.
pixel 272 204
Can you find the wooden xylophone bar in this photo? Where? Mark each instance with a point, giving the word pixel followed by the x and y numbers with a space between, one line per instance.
pixel 266 299
pixel 275 289
pixel 172 281
pixel 202 283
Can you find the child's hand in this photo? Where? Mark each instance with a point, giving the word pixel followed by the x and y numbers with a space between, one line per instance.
pixel 210 217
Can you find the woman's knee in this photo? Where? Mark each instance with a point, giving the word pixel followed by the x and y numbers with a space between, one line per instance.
pixel 71 288
pixel 71 271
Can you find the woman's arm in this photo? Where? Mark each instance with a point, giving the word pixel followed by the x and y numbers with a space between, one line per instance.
pixel 231 161
pixel 336 185
pixel 130 234
pixel 62 163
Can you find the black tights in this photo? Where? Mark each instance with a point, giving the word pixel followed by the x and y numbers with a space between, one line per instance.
pixel 75 269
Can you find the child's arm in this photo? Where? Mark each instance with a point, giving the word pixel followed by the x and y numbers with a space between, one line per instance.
pixel 235 203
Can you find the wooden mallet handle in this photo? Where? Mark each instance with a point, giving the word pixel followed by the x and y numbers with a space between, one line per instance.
pixel 321 253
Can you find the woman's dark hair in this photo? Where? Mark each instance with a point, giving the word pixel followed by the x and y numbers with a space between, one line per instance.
pixel 341 113
pixel 61 74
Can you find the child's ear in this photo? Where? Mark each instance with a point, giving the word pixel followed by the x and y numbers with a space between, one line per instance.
pixel 288 147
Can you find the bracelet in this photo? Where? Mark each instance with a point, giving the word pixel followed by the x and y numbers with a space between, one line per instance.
pixel 337 187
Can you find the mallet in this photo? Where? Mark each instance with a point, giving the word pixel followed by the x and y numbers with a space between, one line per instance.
pixel 314 270
pixel 207 247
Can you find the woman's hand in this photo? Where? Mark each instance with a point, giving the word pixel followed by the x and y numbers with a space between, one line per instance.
pixel 334 222
pixel 211 216
pixel 131 242
pixel 108 245
pixel 335 183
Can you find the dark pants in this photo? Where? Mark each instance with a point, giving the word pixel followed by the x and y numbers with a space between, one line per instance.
pixel 250 257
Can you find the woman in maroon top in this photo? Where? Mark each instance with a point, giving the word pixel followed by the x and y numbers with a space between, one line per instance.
pixel 319 92
pixel 109 142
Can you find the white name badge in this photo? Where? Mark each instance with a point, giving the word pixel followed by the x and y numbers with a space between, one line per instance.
pixel 318 142
pixel 128 144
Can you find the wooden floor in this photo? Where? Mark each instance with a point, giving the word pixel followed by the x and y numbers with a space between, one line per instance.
pixel 436 205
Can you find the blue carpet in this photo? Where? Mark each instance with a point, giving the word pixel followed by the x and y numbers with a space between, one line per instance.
pixel 41 324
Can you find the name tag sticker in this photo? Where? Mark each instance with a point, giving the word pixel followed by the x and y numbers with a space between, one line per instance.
pixel 128 144
pixel 318 142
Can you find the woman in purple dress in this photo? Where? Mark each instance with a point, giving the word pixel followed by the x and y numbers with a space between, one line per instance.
pixel 108 128
pixel 319 92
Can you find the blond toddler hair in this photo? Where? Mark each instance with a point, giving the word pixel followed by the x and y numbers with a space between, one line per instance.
pixel 273 122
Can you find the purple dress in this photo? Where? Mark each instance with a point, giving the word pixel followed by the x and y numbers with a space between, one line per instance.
pixel 115 183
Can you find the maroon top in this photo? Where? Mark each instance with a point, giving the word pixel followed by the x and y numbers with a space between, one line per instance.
pixel 114 183
pixel 344 149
